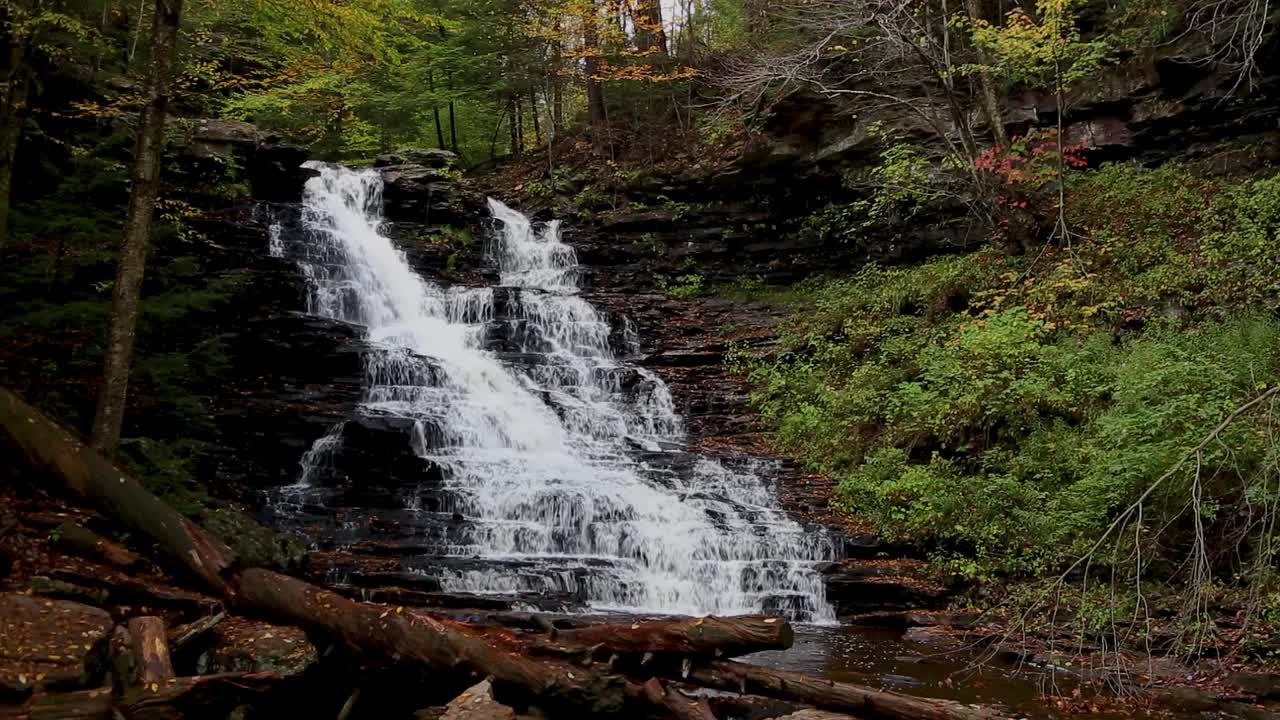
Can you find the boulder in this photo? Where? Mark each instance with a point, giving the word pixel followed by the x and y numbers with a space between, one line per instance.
pixel 477 703
pixel 420 186
pixel 425 157
pixel 272 168
pixel 51 643
pixel 255 544
pixel 934 636
pixel 812 714
pixel 1263 685
pixel 242 645
pixel 211 137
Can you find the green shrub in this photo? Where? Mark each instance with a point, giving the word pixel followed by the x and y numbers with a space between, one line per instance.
pixel 688 285
pixel 1002 411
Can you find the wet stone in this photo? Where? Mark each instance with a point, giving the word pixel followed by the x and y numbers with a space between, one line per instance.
pixel 242 645
pixel 1264 685
pixel 54 643
pixel 477 703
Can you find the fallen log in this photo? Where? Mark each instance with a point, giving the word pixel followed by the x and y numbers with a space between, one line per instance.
pixel 433 642
pixel 183 634
pixel 745 679
pixel 49 446
pixel 681 706
pixel 150 650
pixel 698 637
pixel 86 543
pixel 124 590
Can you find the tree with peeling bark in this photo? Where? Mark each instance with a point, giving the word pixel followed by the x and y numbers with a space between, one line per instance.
pixel 131 266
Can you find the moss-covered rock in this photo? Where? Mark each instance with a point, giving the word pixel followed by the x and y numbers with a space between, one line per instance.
pixel 242 645
pixel 255 544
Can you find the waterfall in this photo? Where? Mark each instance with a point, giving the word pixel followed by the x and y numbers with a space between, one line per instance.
pixel 555 466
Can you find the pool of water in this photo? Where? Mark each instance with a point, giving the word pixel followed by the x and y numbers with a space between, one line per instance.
pixel 881 658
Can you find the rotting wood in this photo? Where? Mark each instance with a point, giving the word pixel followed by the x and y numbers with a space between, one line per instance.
pixel 86 543
pixel 125 590
pixel 184 634
pixel 150 649
pixel 681 706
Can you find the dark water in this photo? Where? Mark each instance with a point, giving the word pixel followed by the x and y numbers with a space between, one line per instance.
pixel 882 659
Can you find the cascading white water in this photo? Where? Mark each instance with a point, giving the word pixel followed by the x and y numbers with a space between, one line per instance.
pixel 558 459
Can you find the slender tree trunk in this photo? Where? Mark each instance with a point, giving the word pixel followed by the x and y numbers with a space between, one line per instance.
pixel 13 115
pixel 493 139
pixel 515 131
pixel 435 110
pixel 137 33
pixel 137 232
pixel 557 85
pixel 988 98
pixel 650 33
pixel 453 129
pixel 533 114
pixel 595 92
pixel 519 118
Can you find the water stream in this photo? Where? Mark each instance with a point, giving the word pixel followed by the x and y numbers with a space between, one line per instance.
pixel 548 464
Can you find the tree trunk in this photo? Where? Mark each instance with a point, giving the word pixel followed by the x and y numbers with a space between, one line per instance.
pixel 650 33
pixel 533 114
pixel 13 115
pixel 453 129
pixel 987 96
pixel 133 248
pixel 435 110
pixel 513 112
pixel 89 475
pixel 150 648
pixel 519 118
pixel 557 86
pixel 595 92
pixel 88 544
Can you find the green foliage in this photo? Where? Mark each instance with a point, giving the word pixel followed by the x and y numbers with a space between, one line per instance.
pixel 900 187
pixel 166 469
pixel 688 286
pixel 1001 410
pixel 591 199
pixel 1045 49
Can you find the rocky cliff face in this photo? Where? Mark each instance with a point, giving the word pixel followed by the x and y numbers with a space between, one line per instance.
pixel 294 375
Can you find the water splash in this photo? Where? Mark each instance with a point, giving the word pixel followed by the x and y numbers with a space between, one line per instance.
pixel 562 467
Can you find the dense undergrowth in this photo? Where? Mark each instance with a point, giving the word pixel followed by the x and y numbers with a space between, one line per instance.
pixel 1002 411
